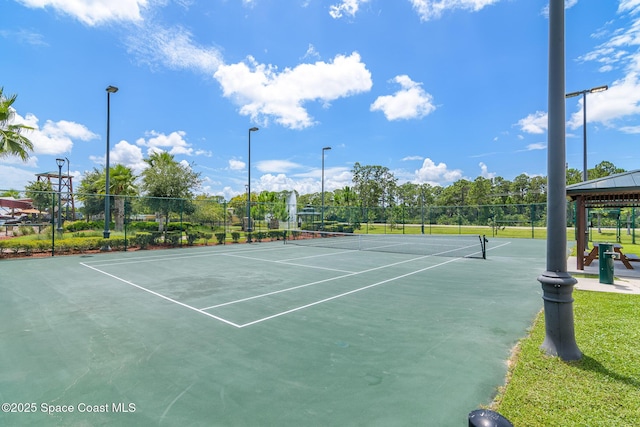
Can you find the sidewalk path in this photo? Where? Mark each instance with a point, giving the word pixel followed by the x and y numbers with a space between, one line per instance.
pixel 625 281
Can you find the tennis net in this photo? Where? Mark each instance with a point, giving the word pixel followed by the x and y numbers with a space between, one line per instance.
pixel 467 246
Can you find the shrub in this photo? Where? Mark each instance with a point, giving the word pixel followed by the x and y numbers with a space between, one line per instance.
pixel 220 237
pixel 176 226
pixel 26 230
pixel 207 237
pixel 275 234
pixel 173 238
pixel 116 243
pixel 76 226
pixel 235 236
pixel 192 236
pixel 144 226
pixel 143 239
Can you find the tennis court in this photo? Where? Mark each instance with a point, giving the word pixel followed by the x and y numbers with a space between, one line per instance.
pixel 262 334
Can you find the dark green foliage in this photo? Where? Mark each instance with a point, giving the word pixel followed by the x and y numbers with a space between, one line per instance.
pixel 173 238
pixel 143 239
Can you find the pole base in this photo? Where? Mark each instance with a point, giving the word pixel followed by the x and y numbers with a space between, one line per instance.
pixel 560 339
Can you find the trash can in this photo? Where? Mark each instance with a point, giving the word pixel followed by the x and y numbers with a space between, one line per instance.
pixel 606 255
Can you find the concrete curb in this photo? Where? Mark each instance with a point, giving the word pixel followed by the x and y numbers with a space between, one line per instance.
pixel 625 281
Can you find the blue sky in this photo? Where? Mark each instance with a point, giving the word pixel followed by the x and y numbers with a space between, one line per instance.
pixel 435 90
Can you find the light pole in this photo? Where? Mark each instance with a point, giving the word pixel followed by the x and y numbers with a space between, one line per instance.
pixel 322 210
pixel 584 121
pixel 60 162
pixel 584 145
pixel 557 283
pixel 107 217
pixel 66 216
pixel 253 129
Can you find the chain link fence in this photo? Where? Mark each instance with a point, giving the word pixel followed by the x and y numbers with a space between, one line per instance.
pixel 75 223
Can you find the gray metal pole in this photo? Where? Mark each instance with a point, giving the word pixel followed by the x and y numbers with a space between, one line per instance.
pixel 60 163
pixel 107 207
pixel 584 135
pixel 68 189
pixel 585 175
pixel 322 196
pixel 557 283
pixel 253 129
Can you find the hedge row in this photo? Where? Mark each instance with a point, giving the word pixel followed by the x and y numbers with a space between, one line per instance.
pixel 75 244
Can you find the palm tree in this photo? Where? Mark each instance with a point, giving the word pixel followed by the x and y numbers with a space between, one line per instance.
pixel 121 184
pixel 11 141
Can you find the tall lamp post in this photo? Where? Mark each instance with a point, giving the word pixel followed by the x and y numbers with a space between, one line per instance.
pixel 322 210
pixel 66 216
pixel 584 121
pixel 107 208
pixel 557 283
pixel 253 129
pixel 60 162
pixel 584 146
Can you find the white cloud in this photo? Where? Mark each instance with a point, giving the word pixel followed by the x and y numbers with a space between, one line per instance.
pixel 123 153
pixel 630 129
pixel 174 48
pixel 94 12
pixel 276 166
pixel 281 182
pixel 236 165
pixel 128 155
pixel 25 37
pixel 54 137
pixel 410 158
pixel 433 9
pixel 15 178
pixel 264 92
pixel 174 143
pixel 621 100
pixel 348 7
pixel 484 171
pixel 537 146
pixel 311 52
pixel 536 123
pixel 439 174
pixel 410 102
pixel 620 50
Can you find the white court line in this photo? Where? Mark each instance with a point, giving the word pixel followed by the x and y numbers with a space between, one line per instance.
pixel 355 290
pixel 156 258
pixel 201 311
pixel 289 263
pixel 162 296
pixel 347 293
pixel 323 281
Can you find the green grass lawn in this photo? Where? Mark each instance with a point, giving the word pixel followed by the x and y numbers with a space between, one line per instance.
pixel 607 235
pixel 602 389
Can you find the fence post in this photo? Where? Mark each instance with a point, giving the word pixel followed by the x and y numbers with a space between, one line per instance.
pixel 53 234
pixel 533 219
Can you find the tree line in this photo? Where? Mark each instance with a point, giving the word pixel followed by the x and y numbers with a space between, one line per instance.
pixel 170 186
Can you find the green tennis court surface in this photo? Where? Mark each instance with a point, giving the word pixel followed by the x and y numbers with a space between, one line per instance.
pixel 261 334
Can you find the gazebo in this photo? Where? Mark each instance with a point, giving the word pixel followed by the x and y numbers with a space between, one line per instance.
pixel 615 191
